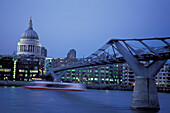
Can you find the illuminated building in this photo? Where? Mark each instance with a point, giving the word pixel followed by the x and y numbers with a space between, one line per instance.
pixel 29 68
pixel 128 76
pixel 6 68
pixel 106 74
pixel 21 68
pixel 162 78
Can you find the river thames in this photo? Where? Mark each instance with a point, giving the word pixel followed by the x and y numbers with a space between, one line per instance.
pixel 20 100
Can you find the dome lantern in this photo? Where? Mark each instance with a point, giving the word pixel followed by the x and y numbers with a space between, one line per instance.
pixel 30 24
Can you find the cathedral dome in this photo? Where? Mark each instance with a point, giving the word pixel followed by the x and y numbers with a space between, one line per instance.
pixel 29 33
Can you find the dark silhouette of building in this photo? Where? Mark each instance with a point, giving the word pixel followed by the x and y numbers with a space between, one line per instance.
pixel 71 54
pixel 43 52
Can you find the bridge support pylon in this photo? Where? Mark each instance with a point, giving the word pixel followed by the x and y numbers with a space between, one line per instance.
pixel 145 91
pixel 145 94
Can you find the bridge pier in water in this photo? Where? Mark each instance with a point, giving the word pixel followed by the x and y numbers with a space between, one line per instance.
pixel 145 91
pixel 145 94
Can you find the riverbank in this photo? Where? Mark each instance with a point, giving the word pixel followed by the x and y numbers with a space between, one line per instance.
pixel 121 87
pixel 13 83
pixel 109 87
pixel 89 86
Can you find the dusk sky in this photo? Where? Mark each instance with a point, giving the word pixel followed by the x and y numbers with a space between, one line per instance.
pixel 83 25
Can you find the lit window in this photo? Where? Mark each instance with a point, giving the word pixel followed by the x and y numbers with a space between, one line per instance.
pixel 95 78
pixel 84 70
pixel 7 70
pixel 102 71
pixel 111 79
pixel 32 71
pixel 20 75
pixel 96 71
pixel 20 70
pixel 34 75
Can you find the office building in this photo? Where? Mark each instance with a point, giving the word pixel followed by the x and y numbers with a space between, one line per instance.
pixel 162 78
pixel 106 74
pixel 21 68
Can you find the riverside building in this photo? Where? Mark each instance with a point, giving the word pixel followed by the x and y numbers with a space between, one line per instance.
pixel 162 78
pixel 106 74
pixel 21 68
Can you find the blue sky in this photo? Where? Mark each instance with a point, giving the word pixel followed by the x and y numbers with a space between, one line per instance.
pixel 83 25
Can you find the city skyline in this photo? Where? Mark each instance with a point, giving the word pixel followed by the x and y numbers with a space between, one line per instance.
pixel 81 25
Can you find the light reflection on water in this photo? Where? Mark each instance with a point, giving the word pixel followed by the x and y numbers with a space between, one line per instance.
pixel 20 100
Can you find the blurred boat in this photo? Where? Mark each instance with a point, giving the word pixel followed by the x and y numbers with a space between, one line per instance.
pixel 57 86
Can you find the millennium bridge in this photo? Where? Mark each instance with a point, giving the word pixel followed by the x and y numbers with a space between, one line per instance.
pixel 131 51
